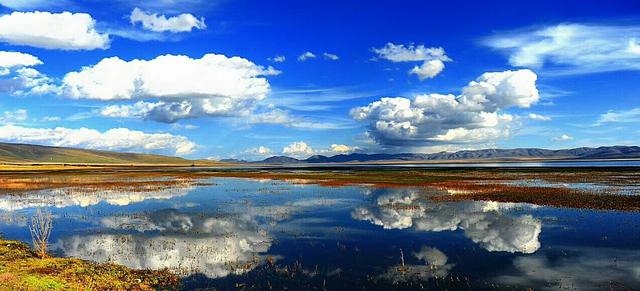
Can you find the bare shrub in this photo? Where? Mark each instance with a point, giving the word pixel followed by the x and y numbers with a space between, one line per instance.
pixel 41 226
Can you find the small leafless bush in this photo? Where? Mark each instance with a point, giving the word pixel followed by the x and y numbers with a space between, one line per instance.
pixel 41 226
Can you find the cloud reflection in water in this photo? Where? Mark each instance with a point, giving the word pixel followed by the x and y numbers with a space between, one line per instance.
pixel 482 222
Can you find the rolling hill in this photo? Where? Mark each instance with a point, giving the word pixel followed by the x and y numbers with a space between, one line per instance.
pixel 36 154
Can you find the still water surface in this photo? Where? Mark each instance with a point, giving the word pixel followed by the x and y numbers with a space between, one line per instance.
pixel 229 232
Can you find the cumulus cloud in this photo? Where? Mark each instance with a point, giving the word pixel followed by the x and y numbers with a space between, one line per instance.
pixel 214 85
pixel 482 222
pixel 538 117
pixel 65 31
pixel 29 81
pixel 432 58
pixel 17 59
pixel 299 149
pixel 329 56
pixel 20 78
pixel 428 69
pixel 160 23
pixel 572 48
pixel 306 55
pixel 564 137
pixel 474 116
pixel 169 76
pixel 112 139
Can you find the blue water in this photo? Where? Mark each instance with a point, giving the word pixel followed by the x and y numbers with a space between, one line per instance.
pixel 265 233
pixel 549 164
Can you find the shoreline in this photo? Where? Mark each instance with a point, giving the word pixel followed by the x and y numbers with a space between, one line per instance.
pixel 21 268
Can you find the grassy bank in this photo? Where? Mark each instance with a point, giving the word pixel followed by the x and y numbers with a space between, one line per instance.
pixel 22 269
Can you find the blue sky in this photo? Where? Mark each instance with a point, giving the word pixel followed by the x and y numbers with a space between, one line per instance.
pixel 378 76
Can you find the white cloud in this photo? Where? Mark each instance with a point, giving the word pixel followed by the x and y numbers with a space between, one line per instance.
pixel 433 58
pixel 214 85
pixel 170 77
pixel 572 48
pixel 428 69
pixel 20 79
pixel 337 149
pixel 65 31
pixel 298 149
pixel 112 139
pixel 51 118
pixel 538 117
pixel 17 59
pixel 482 222
pixel 329 56
pixel 30 81
pixel 160 23
pixel 278 59
pixel 178 126
pixel 18 115
pixel 305 56
pixel 260 151
pixel 623 116
pixel 25 80
pixel 340 148
pixel 285 118
pixel 474 116
pixel 564 137
pixel 31 4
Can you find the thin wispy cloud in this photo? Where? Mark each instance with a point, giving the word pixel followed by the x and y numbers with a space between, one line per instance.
pixel 571 48
pixel 621 116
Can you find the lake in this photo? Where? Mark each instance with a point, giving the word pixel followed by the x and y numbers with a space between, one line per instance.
pixel 233 233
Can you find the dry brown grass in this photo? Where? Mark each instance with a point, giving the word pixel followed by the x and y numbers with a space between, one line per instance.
pixel 463 184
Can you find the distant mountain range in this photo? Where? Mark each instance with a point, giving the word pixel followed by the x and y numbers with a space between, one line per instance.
pixel 584 153
pixel 11 153
pixel 36 154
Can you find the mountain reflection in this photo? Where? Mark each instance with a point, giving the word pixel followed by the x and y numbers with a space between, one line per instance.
pixel 482 222
pixel 183 243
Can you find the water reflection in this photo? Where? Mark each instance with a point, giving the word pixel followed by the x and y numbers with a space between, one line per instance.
pixel 65 197
pixel 184 243
pixel 435 266
pixel 220 234
pixel 578 268
pixel 482 222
